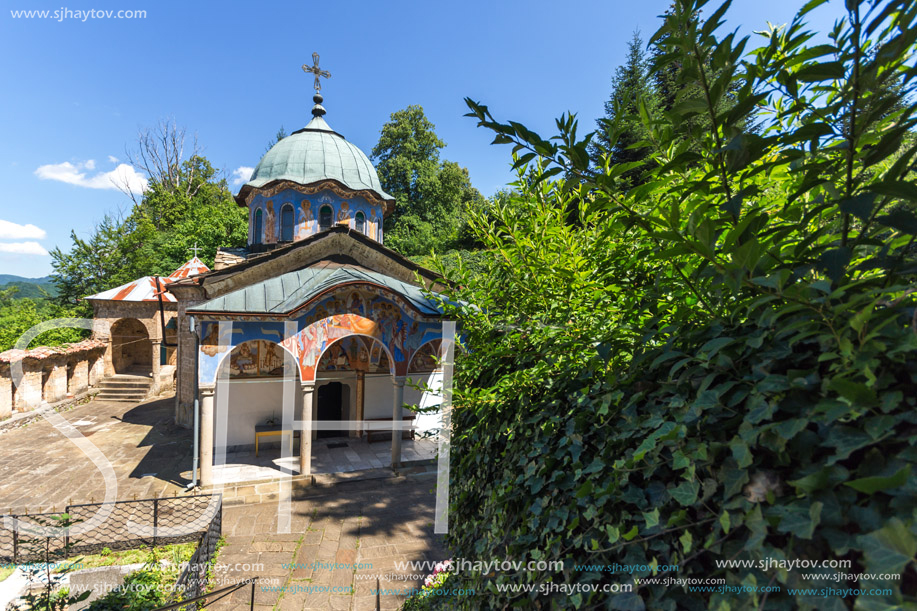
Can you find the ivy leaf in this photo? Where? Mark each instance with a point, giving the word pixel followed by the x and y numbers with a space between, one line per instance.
pixel 871 485
pixel 725 522
pixel 686 540
pixel 799 519
pixel 889 549
pixel 630 534
pixel 685 493
pixel 651 517
pixel 740 452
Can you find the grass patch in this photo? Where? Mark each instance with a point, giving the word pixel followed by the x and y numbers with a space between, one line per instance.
pixel 6 572
pixel 176 554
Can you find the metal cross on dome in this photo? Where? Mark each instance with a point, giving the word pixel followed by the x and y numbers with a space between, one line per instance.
pixel 195 248
pixel 318 72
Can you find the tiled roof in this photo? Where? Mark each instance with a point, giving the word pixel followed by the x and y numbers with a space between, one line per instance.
pixel 285 293
pixel 192 268
pixel 144 289
pixel 43 352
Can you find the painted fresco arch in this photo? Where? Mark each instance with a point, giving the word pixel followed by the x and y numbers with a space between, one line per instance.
pixel 364 342
pixel 262 364
pixel 359 309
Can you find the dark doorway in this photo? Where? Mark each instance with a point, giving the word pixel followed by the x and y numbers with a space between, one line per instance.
pixel 329 408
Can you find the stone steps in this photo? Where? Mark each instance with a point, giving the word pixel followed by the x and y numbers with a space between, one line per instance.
pixel 122 387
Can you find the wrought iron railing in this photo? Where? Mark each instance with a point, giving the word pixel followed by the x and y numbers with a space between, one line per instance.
pixel 129 525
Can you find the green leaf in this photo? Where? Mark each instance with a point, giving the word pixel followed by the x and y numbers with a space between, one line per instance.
pixel 889 549
pixel 725 522
pixel 855 392
pixel 900 219
pixel 629 535
pixel 741 453
pixel 821 71
pixel 651 517
pixel 685 493
pixel 871 485
pixel 686 540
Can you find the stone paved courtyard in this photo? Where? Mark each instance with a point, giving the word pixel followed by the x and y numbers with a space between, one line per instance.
pixel 41 469
pixel 375 523
pixel 369 524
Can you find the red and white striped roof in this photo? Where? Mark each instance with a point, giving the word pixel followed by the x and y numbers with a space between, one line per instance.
pixel 144 289
pixel 192 268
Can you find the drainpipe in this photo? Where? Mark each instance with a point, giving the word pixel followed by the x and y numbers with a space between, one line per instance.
pixel 197 407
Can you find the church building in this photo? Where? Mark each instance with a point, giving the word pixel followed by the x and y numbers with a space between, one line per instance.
pixel 315 311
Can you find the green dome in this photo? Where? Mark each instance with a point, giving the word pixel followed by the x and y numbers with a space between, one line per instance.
pixel 313 154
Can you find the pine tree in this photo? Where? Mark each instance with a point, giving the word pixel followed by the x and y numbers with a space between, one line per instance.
pixel 621 130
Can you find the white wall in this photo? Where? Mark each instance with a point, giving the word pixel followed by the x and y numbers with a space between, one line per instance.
pixel 251 402
pixel 412 396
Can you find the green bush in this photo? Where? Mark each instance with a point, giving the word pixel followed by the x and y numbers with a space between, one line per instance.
pixel 716 365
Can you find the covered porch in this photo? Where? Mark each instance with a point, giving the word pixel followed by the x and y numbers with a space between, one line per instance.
pixel 329 456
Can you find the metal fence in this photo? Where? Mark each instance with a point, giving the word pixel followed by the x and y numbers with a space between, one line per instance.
pixel 192 582
pixel 127 525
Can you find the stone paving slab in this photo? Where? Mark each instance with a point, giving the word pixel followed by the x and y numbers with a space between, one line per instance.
pixel 42 469
pixel 354 529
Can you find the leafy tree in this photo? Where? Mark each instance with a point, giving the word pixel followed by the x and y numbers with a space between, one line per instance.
pixel 621 136
pixel 18 315
pixel 716 364
pixel 280 135
pixel 432 196
pixel 187 202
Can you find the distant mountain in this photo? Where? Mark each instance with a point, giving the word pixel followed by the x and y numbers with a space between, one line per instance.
pixel 30 288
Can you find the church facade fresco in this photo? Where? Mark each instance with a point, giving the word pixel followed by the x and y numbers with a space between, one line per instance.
pixel 307 210
pixel 388 329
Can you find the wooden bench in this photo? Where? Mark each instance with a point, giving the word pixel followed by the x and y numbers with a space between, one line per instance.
pixel 406 433
pixel 266 430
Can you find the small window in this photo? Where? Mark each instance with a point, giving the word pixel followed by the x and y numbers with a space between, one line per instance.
pixel 359 222
pixel 286 223
pixel 259 227
pixel 324 217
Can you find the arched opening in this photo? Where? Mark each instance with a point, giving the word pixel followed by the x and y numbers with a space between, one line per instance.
pixel 325 217
pixel 253 376
pixel 258 227
pixel 286 223
pixel 131 348
pixel 359 222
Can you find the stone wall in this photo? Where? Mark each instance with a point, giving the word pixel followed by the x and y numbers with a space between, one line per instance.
pixel 49 374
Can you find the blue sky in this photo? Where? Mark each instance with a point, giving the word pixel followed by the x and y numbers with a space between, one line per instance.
pixel 76 92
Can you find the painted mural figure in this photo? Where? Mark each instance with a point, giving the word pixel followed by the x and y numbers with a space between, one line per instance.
pixel 269 224
pixel 398 336
pixel 307 218
pixel 372 222
pixel 344 214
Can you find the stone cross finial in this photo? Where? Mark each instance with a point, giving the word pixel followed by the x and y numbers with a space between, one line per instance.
pixel 318 72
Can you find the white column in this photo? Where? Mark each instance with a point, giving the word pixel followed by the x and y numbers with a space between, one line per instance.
pixel 156 365
pixel 305 435
pixel 207 396
pixel 396 421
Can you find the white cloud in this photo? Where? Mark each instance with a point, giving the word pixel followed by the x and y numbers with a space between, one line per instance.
pixel 14 231
pixel 113 159
pixel 23 248
pixel 122 177
pixel 242 174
